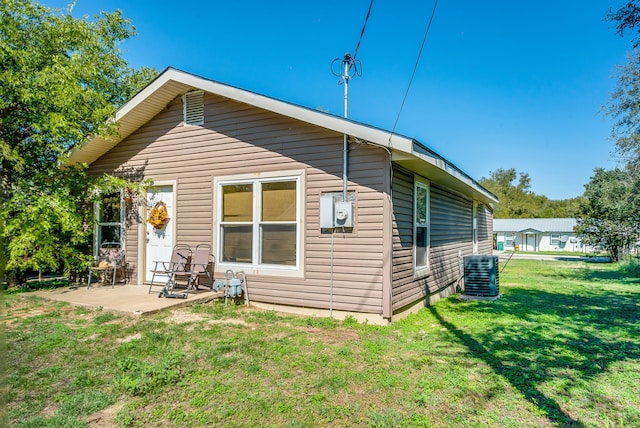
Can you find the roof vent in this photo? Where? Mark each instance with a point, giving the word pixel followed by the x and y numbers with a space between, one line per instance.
pixel 193 106
pixel 481 277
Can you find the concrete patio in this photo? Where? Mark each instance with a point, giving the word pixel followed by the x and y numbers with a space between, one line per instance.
pixel 129 299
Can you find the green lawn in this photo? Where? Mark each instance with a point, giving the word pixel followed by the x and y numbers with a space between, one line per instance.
pixel 557 253
pixel 561 348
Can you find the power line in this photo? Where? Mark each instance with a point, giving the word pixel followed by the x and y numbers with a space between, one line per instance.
pixel 366 19
pixel 353 66
pixel 415 67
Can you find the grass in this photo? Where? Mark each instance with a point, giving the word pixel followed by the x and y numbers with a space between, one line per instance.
pixel 560 253
pixel 37 285
pixel 561 348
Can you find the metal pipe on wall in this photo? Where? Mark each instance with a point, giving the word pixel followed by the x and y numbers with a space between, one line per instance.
pixel 345 144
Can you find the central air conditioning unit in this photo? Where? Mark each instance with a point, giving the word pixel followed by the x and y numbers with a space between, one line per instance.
pixel 481 277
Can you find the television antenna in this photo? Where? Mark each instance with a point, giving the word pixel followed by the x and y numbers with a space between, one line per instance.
pixel 345 68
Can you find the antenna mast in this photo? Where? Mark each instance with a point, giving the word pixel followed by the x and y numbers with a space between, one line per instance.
pixel 346 63
pixel 349 67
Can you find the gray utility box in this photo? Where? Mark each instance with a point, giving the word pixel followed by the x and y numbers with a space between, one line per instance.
pixel 481 276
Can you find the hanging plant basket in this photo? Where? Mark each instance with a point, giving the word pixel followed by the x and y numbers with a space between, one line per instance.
pixel 158 215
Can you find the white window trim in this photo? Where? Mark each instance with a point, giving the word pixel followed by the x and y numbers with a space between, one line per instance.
pixel 557 239
pixel 99 224
pixel 255 268
pixel 421 271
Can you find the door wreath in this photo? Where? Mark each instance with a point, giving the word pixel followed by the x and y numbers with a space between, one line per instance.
pixel 158 215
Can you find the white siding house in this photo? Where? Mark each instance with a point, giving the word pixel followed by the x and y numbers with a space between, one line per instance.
pixel 537 234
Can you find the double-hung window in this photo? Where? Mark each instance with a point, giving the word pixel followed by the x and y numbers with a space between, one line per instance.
pixel 421 225
pixel 508 241
pixel 554 238
pixel 109 219
pixel 259 222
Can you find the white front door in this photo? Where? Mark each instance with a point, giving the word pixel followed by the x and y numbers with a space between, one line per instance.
pixel 159 242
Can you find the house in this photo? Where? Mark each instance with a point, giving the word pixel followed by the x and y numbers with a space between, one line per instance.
pixel 537 234
pixel 374 231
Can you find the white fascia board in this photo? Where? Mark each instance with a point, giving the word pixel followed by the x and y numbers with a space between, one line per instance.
pixel 335 123
pixel 446 167
pixel 145 93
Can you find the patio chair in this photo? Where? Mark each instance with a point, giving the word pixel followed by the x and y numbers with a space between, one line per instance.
pixel 110 260
pixel 202 265
pixel 180 257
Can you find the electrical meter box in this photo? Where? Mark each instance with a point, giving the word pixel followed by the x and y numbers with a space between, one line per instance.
pixel 343 214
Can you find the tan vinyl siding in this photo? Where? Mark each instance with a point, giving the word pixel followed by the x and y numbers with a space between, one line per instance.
pixel 239 139
pixel 451 234
pixel 131 241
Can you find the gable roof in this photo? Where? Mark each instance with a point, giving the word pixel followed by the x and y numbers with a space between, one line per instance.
pixel 523 225
pixel 173 82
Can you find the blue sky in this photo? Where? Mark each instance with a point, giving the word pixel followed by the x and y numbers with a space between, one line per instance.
pixel 500 84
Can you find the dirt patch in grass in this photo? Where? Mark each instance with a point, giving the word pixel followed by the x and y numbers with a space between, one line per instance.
pixel 181 317
pixel 23 308
pixel 129 338
pixel 105 418
pixel 333 336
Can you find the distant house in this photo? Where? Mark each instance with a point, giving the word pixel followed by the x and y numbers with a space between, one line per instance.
pixel 536 234
pixel 262 181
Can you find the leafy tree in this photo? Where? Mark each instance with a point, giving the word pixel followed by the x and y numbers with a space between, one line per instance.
pixel 624 105
pixel 518 201
pixel 61 78
pixel 611 213
pixel 627 17
pixel 514 198
pixel 609 216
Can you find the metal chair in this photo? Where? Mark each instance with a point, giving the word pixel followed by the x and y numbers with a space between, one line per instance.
pixel 180 257
pixel 202 264
pixel 110 260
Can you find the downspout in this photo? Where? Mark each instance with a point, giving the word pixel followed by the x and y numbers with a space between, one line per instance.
pixel 345 154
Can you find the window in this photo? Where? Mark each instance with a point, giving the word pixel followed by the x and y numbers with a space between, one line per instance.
pixel 555 239
pixel 193 108
pixel 421 225
pixel 259 223
pixel 109 219
pixel 508 241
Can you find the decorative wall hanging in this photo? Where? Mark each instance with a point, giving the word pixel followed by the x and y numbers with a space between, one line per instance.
pixel 158 215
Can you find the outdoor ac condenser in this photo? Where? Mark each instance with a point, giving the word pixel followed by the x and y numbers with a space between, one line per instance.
pixel 481 276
